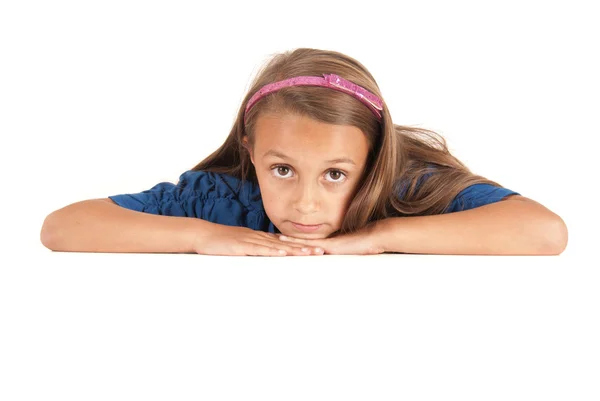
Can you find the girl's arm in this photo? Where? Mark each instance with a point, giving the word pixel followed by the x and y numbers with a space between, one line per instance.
pixel 99 225
pixel 514 226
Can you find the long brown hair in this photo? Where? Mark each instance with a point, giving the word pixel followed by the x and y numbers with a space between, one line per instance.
pixel 415 161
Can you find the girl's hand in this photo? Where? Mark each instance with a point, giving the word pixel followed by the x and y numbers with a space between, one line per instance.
pixel 241 241
pixel 361 242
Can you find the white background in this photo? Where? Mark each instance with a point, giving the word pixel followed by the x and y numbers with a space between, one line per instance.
pixel 103 98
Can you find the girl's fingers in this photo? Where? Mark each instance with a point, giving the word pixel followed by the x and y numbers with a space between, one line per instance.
pixel 263 250
pixel 282 237
pixel 301 244
pixel 290 249
pixel 299 249
pixel 293 250
pixel 273 240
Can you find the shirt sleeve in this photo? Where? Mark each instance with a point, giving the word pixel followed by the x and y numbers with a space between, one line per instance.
pixel 478 195
pixel 199 194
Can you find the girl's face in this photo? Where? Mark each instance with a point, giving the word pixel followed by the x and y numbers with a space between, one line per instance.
pixel 307 172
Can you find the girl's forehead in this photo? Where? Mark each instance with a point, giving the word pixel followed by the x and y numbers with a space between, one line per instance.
pixel 299 132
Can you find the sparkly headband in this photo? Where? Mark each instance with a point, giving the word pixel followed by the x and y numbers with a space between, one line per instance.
pixel 329 81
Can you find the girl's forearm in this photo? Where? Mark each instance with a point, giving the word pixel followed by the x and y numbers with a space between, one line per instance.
pixel 509 227
pixel 99 225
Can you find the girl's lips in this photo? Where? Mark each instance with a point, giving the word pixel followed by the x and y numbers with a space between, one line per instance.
pixel 306 229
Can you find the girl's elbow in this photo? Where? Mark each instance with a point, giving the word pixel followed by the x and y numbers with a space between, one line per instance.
pixel 558 236
pixel 48 231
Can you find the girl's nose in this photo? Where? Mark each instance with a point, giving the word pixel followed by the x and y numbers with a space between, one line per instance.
pixel 306 200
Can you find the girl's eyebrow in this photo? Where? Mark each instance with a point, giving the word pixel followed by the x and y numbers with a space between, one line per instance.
pixel 276 153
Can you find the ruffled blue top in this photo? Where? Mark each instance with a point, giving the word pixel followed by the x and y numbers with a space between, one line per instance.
pixel 215 197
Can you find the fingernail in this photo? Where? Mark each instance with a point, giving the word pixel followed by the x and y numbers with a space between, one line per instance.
pixel 281 252
pixel 318 250
pixel 283 237
pixel 304 249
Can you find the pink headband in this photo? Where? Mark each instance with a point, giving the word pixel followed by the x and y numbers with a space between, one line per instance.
pixel 329 81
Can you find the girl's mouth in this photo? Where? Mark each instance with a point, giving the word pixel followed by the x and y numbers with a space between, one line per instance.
pixel 305 228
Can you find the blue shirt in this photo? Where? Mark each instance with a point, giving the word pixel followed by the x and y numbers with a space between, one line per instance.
pixel 215 197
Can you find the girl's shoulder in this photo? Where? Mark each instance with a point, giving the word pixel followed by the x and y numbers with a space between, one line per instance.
pixel 473 196
pixel 208 195
pixel 210 184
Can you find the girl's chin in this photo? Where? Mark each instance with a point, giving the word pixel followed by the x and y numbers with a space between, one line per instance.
pixel 304 236
pixel 300 235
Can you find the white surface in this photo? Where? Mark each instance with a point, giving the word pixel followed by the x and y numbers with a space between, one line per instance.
pixel 107 326
pixel 105 98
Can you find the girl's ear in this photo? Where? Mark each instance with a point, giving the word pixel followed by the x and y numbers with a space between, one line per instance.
pixel 248 148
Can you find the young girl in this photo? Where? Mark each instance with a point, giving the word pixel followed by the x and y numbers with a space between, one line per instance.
pixel 315 165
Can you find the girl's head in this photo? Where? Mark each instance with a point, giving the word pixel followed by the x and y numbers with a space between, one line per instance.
pixel 321 156
pixel 292 138
pixel 308 170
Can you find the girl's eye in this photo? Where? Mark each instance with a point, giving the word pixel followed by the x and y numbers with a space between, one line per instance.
pixel 337 176
pixel 281 169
